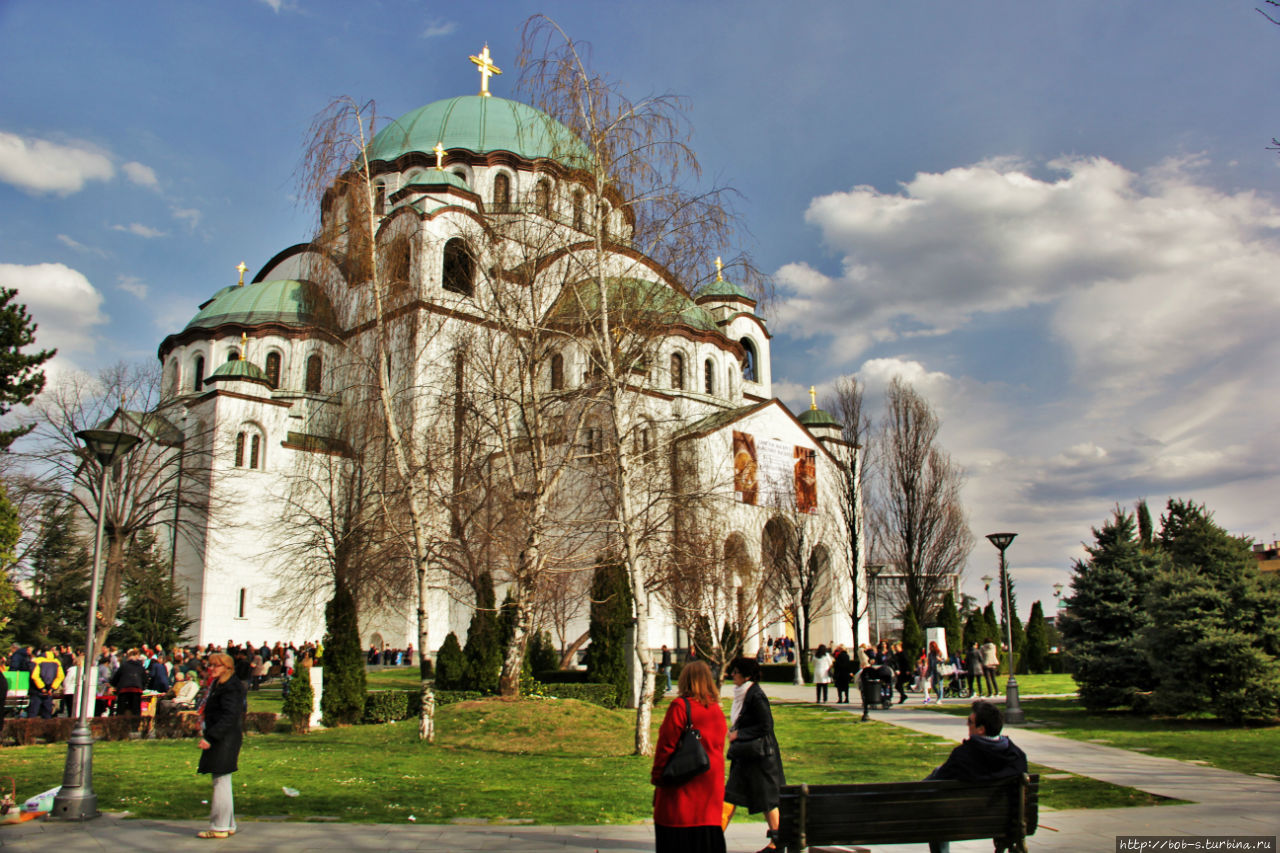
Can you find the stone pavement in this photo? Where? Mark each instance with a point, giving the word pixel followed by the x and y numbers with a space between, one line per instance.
pixel 1221 803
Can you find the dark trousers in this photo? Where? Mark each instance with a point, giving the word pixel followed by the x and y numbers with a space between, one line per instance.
pixel 129 703
pixel 975 683
pixel 989 672
pixel 821 690
pixel 40 705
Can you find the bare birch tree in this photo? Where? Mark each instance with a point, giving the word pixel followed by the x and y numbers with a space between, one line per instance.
pixel 846 404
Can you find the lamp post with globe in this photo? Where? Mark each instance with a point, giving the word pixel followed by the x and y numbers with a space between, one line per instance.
pixel 76 800
pixel 1013 712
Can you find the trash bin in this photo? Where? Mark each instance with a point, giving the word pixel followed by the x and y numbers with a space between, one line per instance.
pixel 872 688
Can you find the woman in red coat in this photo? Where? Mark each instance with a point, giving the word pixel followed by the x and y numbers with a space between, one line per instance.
pixel 687 818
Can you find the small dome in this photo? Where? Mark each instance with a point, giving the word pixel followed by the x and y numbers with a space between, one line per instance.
pixel 436 178
pixel 644 297
pixel 239 369
pixel 479 124
pixel 818 418
pixel 285 301
pixel 722 289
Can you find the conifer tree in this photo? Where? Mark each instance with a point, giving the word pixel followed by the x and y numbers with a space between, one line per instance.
pixel 949 621
pixel 21 378
pixel 1211 614
pixel 153 612
pixel 482 650
pixel 451 665
pixel 912 634
pixel 342 702
pixel 55 611
pixel 542 655
pixel 974 625
pixel 610 618
pixel 1037 649
pixel 1104 618
pixel 990 627
pixel 10 532
pixel 1145 530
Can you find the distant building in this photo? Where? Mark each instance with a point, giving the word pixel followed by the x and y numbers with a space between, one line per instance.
pixel 1268 556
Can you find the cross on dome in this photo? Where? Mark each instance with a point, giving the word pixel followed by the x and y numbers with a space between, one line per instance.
pixel 487 70
pixel 242 268
pixel 439 152
pixel 813 399
pixel 719 269
pixel 244 342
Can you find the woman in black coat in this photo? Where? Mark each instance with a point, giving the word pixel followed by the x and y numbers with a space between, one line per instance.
pixel 223 711
pixel 755 769
pixel 843 674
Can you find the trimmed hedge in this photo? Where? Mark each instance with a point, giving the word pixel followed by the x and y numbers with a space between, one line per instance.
pixel 562 676
pixel 387 706
pixel 604 695
pixel 783 673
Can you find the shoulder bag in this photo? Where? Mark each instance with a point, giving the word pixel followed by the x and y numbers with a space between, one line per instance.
pixel 689 758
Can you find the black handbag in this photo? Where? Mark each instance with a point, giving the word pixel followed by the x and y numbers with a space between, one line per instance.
pixel 689 758
pixel 749 750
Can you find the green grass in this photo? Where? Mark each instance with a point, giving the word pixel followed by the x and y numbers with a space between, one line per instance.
pixel 1030 685
pixel 267 697
pixel 576 756
pixel 1243 749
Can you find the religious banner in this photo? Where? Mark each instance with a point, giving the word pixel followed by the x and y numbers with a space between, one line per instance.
pixel 774 473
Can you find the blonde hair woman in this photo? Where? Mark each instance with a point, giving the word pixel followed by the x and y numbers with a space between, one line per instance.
pixel 221 715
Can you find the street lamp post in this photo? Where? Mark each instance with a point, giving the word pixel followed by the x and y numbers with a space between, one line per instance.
pixel 1012 709
pixel 873 572
pixel 986 586
pixel 76 800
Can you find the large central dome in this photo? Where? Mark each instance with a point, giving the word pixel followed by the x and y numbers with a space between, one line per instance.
pixel 479 124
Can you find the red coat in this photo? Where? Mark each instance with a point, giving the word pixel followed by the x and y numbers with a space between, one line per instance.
pixel 699 801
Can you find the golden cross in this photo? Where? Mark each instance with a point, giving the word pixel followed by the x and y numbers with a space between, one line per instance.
pixel 439 152
pixel 813 398
pixel 244 342
pixel 487 70
pixel 242 268
pixel 719 269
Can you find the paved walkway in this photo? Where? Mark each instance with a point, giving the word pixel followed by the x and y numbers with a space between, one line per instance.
pixel 1222 803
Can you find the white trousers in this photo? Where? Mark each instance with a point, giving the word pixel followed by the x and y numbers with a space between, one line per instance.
pixel 222 815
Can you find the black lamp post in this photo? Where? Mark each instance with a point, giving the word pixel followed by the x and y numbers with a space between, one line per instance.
pixel 986 586
pixel 1012 709
pixel 873 572
pixel 76 799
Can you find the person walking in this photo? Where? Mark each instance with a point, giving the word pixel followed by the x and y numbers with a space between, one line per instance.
pixel 222 714
pixel 842 674
pixel 666 669
pixel 990 665
pixel 686 818
pixel 902 666
pixel 973 668
pixel 755 763
pixel 933 672
pixel 821 673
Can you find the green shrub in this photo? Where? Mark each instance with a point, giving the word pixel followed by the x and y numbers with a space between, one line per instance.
pixel 385 706
pixel 297 706
pixel 604 695
pixel 451 665
pixel 541 656
pixel 448 697
pixel 610 618
pixel 483 650
pixel 561 676
pixel 342 702
pixel 262 722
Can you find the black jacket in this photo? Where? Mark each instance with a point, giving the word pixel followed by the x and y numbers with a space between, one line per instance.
pixel 981 759
pixel 130 675
pixel 223 714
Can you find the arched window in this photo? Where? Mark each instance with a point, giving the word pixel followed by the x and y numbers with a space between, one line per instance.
pixel 398 261
pixel 233 354
pixel 644 439
pixel 579 210
pixel 379 198
pixel 501 193
pixel 728 381
pixel 240 441
pixel 273 369
pixel 557 372
pixel 542 197
pixel 314 366
pixel 709 377
pixel 677 371
pixel 255 450
pixel 197 374
pixel 749 361
pixel 459 267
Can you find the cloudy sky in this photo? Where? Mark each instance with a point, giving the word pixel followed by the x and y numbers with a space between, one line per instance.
pixel 1060 222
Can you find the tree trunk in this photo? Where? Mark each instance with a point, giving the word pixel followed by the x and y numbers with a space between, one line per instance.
pixel 427 718
pixel 112 581
pixel 566 660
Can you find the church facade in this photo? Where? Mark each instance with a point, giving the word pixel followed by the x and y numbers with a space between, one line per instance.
pixel 475 205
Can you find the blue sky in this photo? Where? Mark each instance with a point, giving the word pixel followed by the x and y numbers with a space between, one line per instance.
pixel 1059 221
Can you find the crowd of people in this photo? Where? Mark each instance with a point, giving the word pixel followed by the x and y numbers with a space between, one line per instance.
pixel 932 672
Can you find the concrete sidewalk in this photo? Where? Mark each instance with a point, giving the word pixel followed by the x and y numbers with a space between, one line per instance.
pixel 1221 803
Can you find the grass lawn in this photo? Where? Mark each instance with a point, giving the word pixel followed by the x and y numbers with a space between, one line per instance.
pixel 267 697
pixel 482 766
pixel 1245 750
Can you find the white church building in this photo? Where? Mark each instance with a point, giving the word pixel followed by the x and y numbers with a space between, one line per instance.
pixel 264 364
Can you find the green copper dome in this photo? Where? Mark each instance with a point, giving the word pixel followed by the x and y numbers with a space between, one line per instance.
pixel 636 296
pixel 286 301
pixel 239 369
pixel 436 178
pixel 721 289
pixel 818 418
pixel 479 124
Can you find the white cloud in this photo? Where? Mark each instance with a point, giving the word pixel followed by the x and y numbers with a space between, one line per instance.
pixel 71 243
pixel 133 286
pixel 39 166
pixel 64 305
pixel 143 176
pixel 439 28
pixel 188 215
pixel 140 230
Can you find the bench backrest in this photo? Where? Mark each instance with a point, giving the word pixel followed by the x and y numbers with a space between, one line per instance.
pixel 902 812
pixel 19 682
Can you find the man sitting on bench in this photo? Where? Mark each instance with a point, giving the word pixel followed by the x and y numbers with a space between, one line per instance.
pixel 986 755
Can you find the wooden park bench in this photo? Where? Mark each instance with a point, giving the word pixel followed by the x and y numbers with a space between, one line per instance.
pixel 818 816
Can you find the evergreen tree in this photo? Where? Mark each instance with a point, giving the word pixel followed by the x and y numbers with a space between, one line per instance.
pixel 990 627
pixel 608 627
pixel 21 378
pixel 1212 616
pixel 949 621
pixel 1019 645
pixel 1037 651
pixel 57 608
pixel 299 702
pixel 10 532
pixel 974 625
pixel 1145 530
pixel 912 634
pixel 153 612
pixel 342 702
pixel 451 665
pixel 542 655
pixel 483 651
pixel 1103 619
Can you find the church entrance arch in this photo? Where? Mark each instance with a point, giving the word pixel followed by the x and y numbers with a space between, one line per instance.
pixel 777 544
